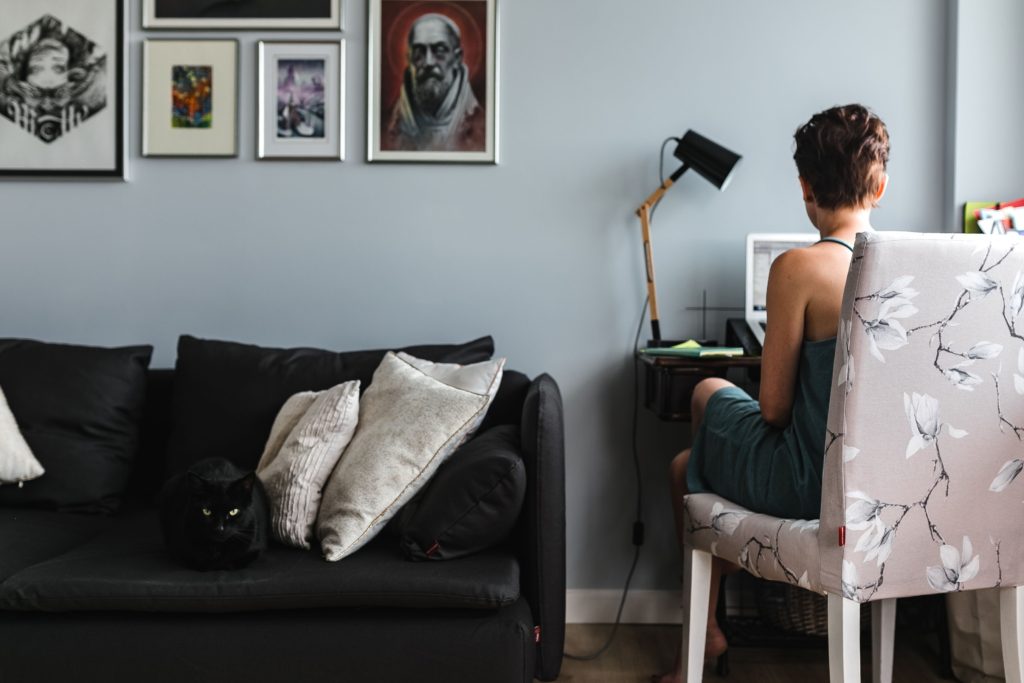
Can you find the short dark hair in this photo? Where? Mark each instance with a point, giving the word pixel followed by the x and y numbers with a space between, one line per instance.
pixel 842 153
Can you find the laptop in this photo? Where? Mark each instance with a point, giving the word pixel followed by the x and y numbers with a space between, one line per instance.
pixel 762 250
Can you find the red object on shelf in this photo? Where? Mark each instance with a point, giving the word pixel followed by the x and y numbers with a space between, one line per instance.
pixel 1016 203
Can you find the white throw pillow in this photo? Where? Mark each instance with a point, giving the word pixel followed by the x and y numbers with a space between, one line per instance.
pixel 413 415
pixel 17 464
pixel 289 415
pixel 294 477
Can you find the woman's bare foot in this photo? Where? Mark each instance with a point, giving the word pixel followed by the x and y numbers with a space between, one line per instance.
pixel 715 643
pixel 715 646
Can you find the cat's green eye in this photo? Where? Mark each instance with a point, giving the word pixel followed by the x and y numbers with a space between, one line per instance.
pixel 207 512
pixel 233 512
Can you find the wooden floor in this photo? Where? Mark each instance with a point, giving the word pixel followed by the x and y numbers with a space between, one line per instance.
pixel 639 651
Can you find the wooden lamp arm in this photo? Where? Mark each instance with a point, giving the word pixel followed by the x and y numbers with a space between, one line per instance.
pixel 644 212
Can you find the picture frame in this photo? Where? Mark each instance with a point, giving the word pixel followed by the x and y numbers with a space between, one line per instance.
pixel 190 98
pixel 290 15
pixel 452 115
pixel 301 100
pixel 65 116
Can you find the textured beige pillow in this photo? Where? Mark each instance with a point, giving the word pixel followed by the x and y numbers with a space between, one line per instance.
pixel 294 477
pixel 412 417
pixel 17 464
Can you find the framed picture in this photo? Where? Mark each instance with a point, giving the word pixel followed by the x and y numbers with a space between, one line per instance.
pixel 190 98
pixel 62 88
pixel 242 14
pixel 433 81
pixel 301 100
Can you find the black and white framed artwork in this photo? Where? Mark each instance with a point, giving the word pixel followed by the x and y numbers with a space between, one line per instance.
pixel 62 88
pixel 242 14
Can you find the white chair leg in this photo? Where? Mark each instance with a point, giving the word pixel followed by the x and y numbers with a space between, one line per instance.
pixel 696 598
pixel 883 633
pixel 843 640
pixel 1011 618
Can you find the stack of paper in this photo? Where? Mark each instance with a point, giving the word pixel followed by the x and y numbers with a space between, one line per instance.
pixel 691 349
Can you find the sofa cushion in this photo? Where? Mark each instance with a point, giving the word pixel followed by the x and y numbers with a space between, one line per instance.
pixel 79 408
pixel 28 537
pixel 127 568
pixel 226 395
pixel 473 501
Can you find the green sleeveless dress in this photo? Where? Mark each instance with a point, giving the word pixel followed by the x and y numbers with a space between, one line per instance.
pixel 739 456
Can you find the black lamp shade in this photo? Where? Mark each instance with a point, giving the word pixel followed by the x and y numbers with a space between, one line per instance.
pixel 707 158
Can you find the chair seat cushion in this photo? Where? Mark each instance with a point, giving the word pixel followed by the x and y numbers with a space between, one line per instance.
pixel 769 547
pixel 127 568
pixel 28 537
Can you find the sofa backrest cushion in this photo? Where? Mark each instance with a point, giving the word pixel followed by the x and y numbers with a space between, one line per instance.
pixel 226 394
pixel 507 407
pixel 79 408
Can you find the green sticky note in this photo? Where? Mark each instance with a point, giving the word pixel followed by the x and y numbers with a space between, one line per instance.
pixel 970 222
pixel 688 344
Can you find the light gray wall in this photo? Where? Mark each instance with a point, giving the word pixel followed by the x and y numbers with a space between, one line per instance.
pixel 989 99
pixel 542 251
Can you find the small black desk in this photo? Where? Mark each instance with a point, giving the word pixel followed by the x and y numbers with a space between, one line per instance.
pixel 670 380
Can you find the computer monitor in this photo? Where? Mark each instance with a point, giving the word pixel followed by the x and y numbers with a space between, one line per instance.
pixel 762 250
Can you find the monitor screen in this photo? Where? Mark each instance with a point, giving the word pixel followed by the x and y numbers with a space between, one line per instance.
pixel 765 253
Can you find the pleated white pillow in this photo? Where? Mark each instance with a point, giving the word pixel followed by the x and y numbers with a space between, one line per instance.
pixel 17 463
pixel 287 417
pixel 412 416
pixel 294 476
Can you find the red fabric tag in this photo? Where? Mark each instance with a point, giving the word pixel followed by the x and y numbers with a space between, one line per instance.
pixel 536 634
pixel 842 536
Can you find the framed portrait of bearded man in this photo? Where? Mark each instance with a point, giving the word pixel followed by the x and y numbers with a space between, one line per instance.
pixel 433 81
pixel 62 81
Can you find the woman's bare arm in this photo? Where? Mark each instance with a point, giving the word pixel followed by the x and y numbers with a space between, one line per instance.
pixel 787 303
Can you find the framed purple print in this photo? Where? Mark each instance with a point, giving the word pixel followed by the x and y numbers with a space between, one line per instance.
pixel 301 100
pixel 62 82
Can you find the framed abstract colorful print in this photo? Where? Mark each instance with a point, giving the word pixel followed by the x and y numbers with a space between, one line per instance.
pixel 433 81
pixel 63 72
pixel 322 15
pixel 190 98
pixel 301 100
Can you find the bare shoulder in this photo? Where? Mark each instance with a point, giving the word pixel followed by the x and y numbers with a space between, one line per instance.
pixel 812 265
pixel 794 264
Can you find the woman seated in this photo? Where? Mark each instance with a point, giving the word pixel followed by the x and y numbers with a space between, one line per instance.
pixel 767 454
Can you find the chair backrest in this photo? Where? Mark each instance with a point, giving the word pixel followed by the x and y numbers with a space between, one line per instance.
pixel 922 489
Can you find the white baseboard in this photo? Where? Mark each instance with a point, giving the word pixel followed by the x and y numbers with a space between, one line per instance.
pixel 642 606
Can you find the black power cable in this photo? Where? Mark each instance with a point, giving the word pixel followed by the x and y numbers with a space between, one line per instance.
pixel 638 524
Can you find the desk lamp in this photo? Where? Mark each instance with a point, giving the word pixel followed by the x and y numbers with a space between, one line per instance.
pixel 710 160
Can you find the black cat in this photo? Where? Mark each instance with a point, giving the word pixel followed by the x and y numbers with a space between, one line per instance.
pixel 215 516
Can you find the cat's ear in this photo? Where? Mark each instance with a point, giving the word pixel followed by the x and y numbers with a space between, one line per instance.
pixel 245 484
pixel 196 483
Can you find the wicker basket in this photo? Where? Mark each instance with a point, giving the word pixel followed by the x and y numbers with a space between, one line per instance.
pixel 797 610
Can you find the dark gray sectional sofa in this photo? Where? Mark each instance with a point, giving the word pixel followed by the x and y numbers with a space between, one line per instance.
pixel 94 597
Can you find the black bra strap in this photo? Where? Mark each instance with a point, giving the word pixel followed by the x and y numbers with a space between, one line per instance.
pixel 836 240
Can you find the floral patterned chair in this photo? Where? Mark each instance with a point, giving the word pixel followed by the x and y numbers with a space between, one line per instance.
pixel 921 491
